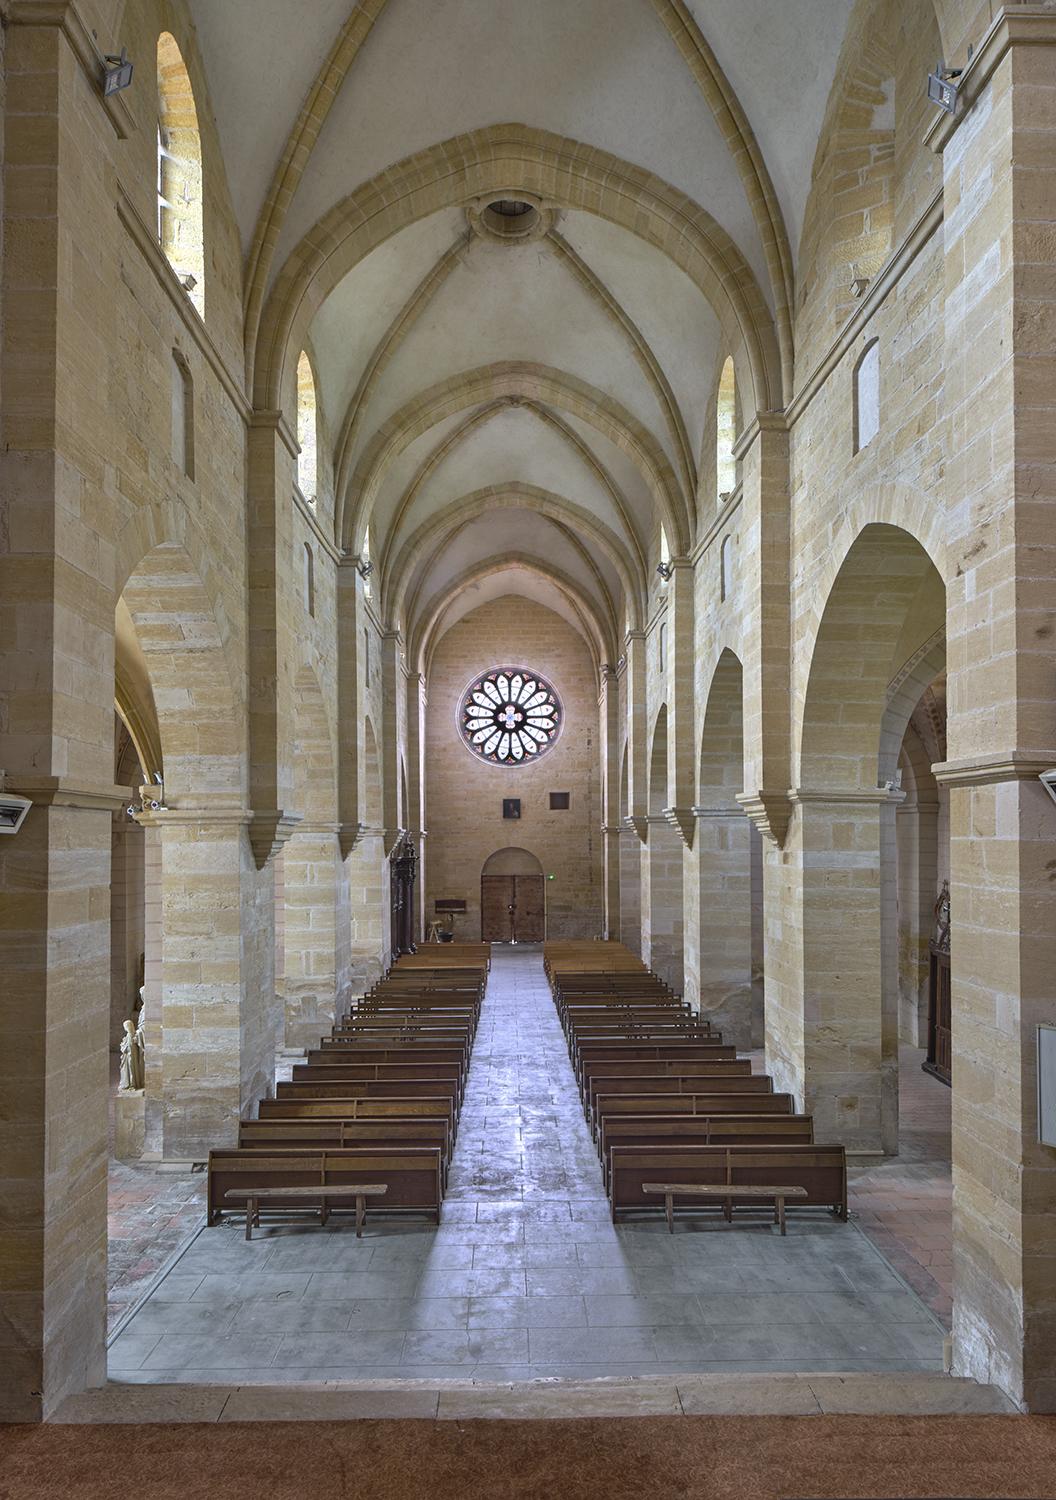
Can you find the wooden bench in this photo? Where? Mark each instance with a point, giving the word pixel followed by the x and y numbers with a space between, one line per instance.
pixel 658 1131
pixel 304 1134
pixel 255 1196
pixel 821 1171
pixel 684 1079
pixel 411 1175
pixel 674 1084
pixel 709 1101
pixel 711 1191
pixel 360 1109
pixel 369 1088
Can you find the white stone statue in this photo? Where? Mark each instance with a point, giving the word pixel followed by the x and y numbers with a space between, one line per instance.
pixel 132 1070
pixel 128 1048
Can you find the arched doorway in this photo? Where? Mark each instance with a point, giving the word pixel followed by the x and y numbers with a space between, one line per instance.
pixel 512 900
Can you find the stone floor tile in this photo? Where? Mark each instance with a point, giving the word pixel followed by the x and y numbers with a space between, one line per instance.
pixel 527 1275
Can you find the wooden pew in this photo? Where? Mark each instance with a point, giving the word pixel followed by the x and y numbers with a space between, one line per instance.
pixel 631 1051
pixel 656 1131
pixel 713 1101
pixel 370 1052
pixel 360 1109
pixel 333 1072
pixel 411 1175
pixel 617 1078
pixel 731 1080
pixel 820 1170
pixel 371 1088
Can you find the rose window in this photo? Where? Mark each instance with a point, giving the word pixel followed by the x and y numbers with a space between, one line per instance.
pixel 510 716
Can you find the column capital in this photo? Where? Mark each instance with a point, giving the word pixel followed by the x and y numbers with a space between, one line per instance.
pixel 865 796
pixel 348 836
pixel 770 811
pixel 638 826
pixel 683 821
pixel 274 421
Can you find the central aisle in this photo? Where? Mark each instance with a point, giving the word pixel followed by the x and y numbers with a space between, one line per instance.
pixel 526 1277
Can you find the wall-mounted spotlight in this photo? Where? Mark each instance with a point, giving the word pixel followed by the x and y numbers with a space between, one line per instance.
pixel 665 570
pixel 13 809
pixel 940 90
pixel 117 73
pixel 366 567
pixel 1048 781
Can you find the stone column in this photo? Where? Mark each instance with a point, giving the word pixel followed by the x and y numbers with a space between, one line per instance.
pixel 681 699
pixel 663 901
pixel 415 814
pixel 630 931
pixel 838 1053
pixel 213 1023
pixel 999 189
pixel 723 915
pixel 56 719
pixel 313 876
pixel 271 467
pixel 608 717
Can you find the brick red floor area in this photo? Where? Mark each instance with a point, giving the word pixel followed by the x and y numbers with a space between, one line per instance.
pixel 905 1205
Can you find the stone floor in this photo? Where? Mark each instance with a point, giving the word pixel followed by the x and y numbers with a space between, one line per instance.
pixel 905 1205
pixel 526 1277
pixel 151 1212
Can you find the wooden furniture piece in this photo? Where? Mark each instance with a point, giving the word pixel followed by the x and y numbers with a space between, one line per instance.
pixel 255 1196
pixel 412 1175
pixel 713 1192
pixel 820 1171
pixel 939 1059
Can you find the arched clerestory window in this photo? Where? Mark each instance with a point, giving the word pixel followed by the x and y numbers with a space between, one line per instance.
pixel 307 430
pixel 726 432
pixel 180 217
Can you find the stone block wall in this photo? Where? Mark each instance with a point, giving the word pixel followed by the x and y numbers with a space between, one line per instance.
pixel 464 795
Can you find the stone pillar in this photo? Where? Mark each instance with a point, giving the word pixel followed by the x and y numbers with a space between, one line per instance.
pixel 213 1023
pixel 271 468
pixel 999 189
pixel 681 699
pixel 56 721
pixel 917 836
pixel 838 1054
pixel 415 813
pixel 637 730
pixel 313 875
pixel 608 717
pixel 630 931
pixel 393 698
pixel 662 899
pixel 724 918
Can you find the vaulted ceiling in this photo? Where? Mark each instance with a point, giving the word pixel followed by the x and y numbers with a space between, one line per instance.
pixel 504 413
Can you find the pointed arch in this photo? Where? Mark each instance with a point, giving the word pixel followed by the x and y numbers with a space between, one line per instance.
pixel 510 496
pixel 559 170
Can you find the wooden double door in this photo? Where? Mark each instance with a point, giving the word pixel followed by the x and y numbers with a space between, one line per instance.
pixel 512 906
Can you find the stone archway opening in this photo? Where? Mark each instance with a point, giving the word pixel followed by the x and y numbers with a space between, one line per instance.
pixel 884 609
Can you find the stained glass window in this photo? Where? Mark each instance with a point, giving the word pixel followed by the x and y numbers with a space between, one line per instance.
pixel 510 716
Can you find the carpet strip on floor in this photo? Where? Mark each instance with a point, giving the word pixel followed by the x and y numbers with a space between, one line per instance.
pixel 693 1458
